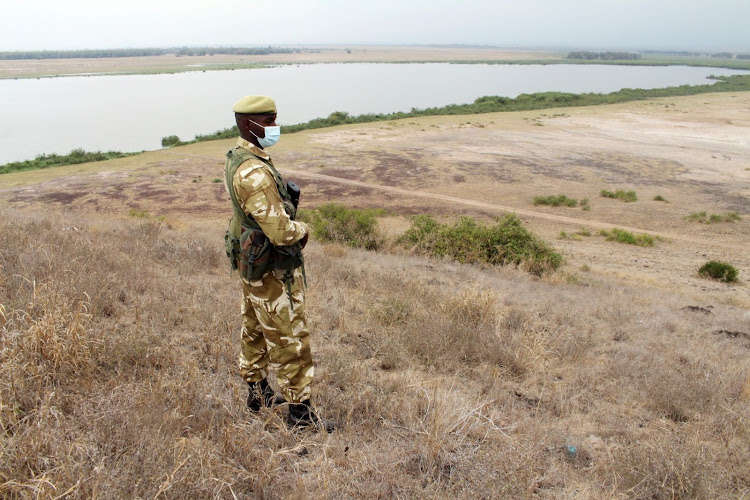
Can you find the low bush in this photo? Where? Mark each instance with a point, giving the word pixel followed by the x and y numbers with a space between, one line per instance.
pixel 507 242
pixel 705 218
pixel 353 227
pixel 622 236
pixel 170 140
pixel 659 197
pixel 555 201
pixel 626 196
pixel 718 270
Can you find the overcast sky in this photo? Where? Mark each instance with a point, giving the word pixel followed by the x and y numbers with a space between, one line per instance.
pixel 597 24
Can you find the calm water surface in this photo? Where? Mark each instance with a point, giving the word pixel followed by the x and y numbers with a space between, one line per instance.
pixel 133 112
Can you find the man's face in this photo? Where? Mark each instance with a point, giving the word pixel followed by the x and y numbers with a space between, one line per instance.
pixel 256 123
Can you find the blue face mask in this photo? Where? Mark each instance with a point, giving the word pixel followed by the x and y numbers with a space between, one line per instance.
pixel 271 137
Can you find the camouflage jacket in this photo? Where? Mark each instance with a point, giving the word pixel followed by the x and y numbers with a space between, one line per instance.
pixel 259 197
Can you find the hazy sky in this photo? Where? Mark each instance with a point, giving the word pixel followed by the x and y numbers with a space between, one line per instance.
pixel 636 24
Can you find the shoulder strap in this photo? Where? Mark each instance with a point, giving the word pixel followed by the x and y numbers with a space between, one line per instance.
pixel 234 161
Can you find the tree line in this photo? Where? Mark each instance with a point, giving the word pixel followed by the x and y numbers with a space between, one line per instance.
pixel 607 56
pixel 684 53
pixel 179 51
pixel 493 104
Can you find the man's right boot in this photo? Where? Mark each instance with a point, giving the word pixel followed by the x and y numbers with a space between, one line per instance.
pixel 261 394
pixel 301 415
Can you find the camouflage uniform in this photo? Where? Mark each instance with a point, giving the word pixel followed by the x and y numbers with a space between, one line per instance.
pixel 274 333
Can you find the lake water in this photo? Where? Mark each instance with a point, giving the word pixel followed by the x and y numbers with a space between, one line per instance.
pixel 133 112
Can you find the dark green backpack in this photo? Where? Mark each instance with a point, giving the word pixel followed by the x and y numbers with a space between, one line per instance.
pixel 248 248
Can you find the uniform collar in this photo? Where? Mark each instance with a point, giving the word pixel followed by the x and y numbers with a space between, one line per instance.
pixel 245 144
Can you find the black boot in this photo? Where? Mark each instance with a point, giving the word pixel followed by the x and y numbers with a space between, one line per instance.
pixel 261 395
pixel 302 415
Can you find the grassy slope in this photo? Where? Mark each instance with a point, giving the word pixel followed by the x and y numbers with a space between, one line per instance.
pixel 118 341
pixel 117 378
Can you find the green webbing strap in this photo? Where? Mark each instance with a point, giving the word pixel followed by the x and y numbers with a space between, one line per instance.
pixel 236 159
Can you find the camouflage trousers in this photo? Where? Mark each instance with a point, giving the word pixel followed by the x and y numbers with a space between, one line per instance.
pixel 274 335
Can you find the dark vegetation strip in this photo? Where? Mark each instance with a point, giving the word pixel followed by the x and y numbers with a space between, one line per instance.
pixel 494 104
pixel 486 104
pixel 701 62
pixel 75 157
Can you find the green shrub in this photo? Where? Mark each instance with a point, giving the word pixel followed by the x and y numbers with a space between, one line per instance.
pixel 562 235
pixel 555 201
pixel 659 197
pixel 704 218
pixel 353 227
pixel 626 196
pixel 622 236
pixel 506 242
pixel 139 214
pixel 719 271
pixel 732 217
pixel 170 140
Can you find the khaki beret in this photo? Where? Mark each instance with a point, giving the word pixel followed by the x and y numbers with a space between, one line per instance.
pixel 255 105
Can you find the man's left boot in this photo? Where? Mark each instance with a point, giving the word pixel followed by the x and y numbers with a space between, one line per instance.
pixel 302 415
pixel 261 394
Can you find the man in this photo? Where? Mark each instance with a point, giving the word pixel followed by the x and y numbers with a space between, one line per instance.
pixel 265 243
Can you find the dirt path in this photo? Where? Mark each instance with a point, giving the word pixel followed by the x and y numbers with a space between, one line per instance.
pixel 485 205
pixel 503 208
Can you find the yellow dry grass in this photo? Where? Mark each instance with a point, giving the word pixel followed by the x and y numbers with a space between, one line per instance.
pixel 119 340
pixel 623 375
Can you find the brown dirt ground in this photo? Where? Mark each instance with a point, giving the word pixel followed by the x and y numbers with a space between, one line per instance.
pixel 46 67
pixel 694 151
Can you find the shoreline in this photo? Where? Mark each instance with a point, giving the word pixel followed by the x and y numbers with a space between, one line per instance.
pixel 482 105
pixel 739 65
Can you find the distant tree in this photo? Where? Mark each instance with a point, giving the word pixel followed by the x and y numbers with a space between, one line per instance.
pixel 607 56
pixel 170 140
pixel 583 54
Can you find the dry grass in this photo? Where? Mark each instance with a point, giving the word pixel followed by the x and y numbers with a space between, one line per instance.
pixel 118 378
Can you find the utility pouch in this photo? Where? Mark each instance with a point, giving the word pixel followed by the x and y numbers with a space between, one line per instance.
pixel 255 254
pixel 232 242
pixel 232 246
pixel 288 258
